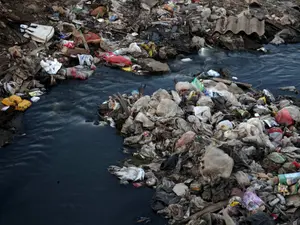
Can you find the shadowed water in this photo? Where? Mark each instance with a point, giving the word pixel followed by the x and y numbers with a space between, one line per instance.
pixel 57 173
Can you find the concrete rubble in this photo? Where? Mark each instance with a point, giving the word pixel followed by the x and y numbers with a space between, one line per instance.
pixel 227 163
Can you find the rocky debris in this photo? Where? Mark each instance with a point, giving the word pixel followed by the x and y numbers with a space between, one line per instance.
pixel 234 165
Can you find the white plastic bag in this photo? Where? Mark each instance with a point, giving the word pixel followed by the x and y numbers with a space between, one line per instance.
pixel 216 163
pixel 51 66
pixel 128 173
pixel 85 59
pixel 203 113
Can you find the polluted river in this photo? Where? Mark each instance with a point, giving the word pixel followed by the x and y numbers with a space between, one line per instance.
pixel 56 172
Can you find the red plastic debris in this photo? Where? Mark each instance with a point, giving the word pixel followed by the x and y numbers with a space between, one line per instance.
pixel 296 164
pixel 101 11
pixel 284 117
pixel 116 60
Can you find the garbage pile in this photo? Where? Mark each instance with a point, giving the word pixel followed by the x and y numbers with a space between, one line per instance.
pixel 66 40
pixel 216 151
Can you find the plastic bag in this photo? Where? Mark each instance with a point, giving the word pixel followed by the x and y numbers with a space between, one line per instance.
pixel 142 118
pixel 79 72
pixel 185 139
pixel 168 108
pixel 288 115
pixel 183 86
pixel 148 151
pixel 203 113
pixel 133 47
pixel 13 100
pixel 22 106
pixel 85 60
pixel 252 201
pixel 213 73
pixel 117 60
pixel 141 103
pixel 216 163
pixel 127 173
pixel 242 179
pixel 213 92
pixel 180 189
pixel 224 125
pixel 170 163
pixel 275 134
pixel 51 66
pixel 205 101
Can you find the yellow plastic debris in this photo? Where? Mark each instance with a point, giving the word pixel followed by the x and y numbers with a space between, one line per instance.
pixel 22 106
pixel 12 100
pixel 127 69
pixel 263 99
pixel 234 203
pixel 15 98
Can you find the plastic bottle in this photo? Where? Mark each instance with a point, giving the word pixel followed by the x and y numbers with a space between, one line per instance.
pixel 198 84
pixel 289 178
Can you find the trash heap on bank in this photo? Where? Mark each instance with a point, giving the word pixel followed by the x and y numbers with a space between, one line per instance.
pixel 215 151
pixel 67 40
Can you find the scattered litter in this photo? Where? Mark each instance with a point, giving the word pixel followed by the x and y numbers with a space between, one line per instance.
pixel 213 73
pixel 5 108
pixel 186 60
pixel 51 66
pixel 35 99
pixel 127 173
pixel 38 33
pixel 206 146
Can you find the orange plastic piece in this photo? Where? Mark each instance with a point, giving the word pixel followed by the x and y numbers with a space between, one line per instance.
pixel 12 100
pixel 22 106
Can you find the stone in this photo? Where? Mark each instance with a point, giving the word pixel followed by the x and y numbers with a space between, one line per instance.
pixel 198 42
pixel 180 189
pixel 152 65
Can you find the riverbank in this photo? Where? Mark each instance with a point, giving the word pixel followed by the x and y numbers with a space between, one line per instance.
pixel 158 31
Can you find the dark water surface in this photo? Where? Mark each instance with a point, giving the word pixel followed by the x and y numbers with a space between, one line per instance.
pixel 57 173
